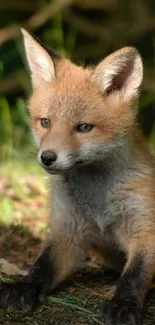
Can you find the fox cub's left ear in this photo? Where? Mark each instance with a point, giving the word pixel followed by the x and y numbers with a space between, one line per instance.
pixel 40 62
pixel 121 71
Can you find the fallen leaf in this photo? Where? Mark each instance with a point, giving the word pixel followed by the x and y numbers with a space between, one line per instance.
pixel 71 289
pixel 3 184
pixel 10 269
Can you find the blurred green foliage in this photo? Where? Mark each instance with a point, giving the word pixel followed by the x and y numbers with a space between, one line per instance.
pixel 83 31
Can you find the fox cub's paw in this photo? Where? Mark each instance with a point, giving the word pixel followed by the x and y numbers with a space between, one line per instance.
pixel 21 295
pixel 126 312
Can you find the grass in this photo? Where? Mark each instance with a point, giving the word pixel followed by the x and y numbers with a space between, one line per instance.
pixel 23 191
pixel 69 304
pixel 23 166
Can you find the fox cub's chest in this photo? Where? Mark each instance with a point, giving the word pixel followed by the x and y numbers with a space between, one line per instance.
pixel 88 188
pixel 85 195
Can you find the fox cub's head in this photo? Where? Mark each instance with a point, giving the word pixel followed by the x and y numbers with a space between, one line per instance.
pixel 80 115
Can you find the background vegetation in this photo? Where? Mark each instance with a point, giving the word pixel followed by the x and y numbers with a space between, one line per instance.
pixel 84 30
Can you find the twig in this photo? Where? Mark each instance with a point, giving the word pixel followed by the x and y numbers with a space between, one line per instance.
pixel 85 25
pixel 90 290
pixel 116 25
pixel 99 4
pixel 97 321
pixel 35 21
pixel 19 5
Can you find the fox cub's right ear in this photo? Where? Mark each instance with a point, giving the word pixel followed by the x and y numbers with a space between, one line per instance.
pixel 40 62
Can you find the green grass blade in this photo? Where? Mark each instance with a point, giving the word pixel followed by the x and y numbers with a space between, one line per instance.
pixel 66 303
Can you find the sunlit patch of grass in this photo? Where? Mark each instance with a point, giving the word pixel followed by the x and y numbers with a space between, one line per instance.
pixel 6 209
pixel 23 194
pixel 152 140
pixel 14 169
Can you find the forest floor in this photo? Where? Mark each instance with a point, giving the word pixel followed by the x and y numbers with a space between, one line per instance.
pixel 23 216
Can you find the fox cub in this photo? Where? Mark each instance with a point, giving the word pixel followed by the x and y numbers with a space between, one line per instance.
pixel 102 173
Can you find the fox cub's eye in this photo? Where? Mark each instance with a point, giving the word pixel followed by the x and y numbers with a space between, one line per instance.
pixel 83 128
pixel 45 122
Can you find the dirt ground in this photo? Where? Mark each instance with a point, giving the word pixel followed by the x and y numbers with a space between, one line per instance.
pixel 78 300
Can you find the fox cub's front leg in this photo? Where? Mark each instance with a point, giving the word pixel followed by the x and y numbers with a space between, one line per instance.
pixel 55 263
pixel 28 292
pixel 127 302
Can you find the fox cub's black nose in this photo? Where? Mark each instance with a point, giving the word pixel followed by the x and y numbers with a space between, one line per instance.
pixel 48 157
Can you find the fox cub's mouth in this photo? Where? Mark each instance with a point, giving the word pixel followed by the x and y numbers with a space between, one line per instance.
pixel 53 171
pixel 61 168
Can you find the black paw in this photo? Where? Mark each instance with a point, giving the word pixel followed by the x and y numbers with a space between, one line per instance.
pixel 125 312
pixel 21 295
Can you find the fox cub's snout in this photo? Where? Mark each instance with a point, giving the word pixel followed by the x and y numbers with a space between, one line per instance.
pixel 79 115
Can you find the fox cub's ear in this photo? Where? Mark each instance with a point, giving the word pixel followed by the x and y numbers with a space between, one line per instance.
pixel 121 71
pixel 40 63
